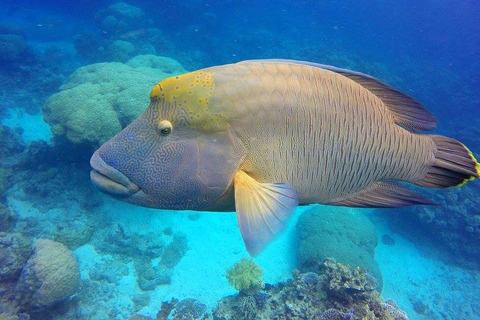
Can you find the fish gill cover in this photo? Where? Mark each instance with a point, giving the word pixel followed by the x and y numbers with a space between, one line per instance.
pixel 73 74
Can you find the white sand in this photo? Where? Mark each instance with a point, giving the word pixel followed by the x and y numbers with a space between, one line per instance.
pixel 34 128
pixel 215 244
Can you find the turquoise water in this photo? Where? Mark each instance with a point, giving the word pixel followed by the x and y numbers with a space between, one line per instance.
pixel 74 74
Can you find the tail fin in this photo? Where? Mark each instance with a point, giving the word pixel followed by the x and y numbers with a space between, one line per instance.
pixel 454 165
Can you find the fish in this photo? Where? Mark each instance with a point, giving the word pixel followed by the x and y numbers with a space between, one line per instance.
pixel 260 137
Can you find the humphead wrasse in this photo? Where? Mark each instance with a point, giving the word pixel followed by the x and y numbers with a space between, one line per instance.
pixel 261 137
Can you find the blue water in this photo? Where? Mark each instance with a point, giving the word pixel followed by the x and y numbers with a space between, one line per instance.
pixel 427 49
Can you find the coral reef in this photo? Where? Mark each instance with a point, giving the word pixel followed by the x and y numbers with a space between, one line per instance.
pixel 335 291
pixel 14 253
pixel 347 236
pixel 111 271
pixel 123 32
pixel 451 230
pixel 185 309
pixel 13 48
pixel 148 277
pixel 175 251
pixel 345 284
pixel 119 18
pixel 245 275
pixel 8 217
pixel 111 95
pixel 73 233
pixel 153 260
pixel 12 143
pixel 118 239
pixel 189 309
pixel 49 276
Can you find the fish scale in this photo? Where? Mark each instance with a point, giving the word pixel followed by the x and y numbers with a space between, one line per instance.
pixel 306 113
pixel 260 137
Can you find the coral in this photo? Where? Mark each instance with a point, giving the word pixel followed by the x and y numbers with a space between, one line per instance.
pixel 8 217
pixel 49 276
pixel 119 239
pixel 189 309
pixel 123 32
pixel 14 253
pixel 141 300
pixel 245 275
pixel 346 284
pixel 12 143
pixel 348 237
pixel 44 185
pixel 100 99
pixel 73 233
pixel 392 309
pixel 5 183
pixel 325 296
pixel 332 314
pixel 175 251
pixel 119 18
pixel 13 49
pixel 149 277
pixel 110 271
pixel 139 317
pixel 166 308
pixel 450 230
pixel 121 50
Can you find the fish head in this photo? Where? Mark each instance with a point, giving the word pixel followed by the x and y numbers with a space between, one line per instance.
pixel 180 154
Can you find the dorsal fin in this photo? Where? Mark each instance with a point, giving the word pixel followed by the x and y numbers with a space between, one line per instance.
pixel 407 112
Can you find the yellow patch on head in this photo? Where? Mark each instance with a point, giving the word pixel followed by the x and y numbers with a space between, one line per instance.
pixel 185 100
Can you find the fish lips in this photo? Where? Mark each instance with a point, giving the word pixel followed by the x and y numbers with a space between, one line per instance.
pixel 109 180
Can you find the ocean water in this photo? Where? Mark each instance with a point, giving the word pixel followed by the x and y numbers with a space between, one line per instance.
pixel 73 74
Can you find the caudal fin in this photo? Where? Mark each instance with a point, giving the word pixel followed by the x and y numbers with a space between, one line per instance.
pixel 454 165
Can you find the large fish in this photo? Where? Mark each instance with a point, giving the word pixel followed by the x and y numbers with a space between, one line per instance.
pixel 261 137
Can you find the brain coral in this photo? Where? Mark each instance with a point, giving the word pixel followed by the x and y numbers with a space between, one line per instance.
pixel 50 275
pixel 100 99
pixel 340 233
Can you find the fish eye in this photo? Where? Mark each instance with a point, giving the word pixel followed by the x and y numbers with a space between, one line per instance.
pixel 165 127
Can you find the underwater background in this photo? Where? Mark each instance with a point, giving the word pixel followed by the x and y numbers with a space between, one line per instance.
pixel 73 74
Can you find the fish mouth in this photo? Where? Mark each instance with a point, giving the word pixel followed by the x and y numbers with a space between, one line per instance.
pixel 109 180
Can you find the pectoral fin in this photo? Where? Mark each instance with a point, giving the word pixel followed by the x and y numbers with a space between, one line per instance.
pixel 263 209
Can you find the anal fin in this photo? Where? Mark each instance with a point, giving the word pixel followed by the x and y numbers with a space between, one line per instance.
pixel 384 195
pixel 263 210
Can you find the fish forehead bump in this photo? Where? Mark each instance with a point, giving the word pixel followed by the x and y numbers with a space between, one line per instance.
pixel 185 100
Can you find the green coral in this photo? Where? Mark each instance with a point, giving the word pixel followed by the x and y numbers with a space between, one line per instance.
pixel 245 275
pixel 100 99
pixel 344 234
